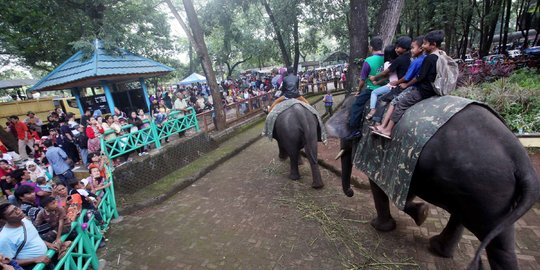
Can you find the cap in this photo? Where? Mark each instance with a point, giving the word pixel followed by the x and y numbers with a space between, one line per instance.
pixel 85 181
pixel 30 112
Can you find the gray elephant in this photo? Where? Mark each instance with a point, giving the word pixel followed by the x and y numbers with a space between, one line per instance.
pixel 295 126
pixel 475 168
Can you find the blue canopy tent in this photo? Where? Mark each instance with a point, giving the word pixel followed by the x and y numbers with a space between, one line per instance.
pixel 193 78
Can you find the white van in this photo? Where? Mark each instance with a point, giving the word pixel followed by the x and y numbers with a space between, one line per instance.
pixel 514 53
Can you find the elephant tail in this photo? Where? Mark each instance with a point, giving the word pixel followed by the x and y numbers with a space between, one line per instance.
pixel 526 195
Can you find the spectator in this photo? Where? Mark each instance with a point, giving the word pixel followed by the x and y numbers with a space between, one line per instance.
pixel 93 131
pixel 55 218
pixel 33 121
pixel 57 159
pixel 86 117
pixel 5 181
pixel 23 136
pixel 12 236
pixel 21 177
pixel 81 141
pixel 35 170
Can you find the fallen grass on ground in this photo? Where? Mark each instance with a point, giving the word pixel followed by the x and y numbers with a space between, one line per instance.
pixel 347 240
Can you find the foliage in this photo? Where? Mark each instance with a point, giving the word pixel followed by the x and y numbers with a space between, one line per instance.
pixel 483 72
pixel 516 98
pixel 42 32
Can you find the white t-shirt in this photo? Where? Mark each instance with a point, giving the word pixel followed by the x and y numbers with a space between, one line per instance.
pixel 12 238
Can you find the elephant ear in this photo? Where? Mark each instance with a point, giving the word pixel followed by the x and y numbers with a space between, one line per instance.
pixel 337 126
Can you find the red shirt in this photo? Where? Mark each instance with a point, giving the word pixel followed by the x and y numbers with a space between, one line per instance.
pixel 22 130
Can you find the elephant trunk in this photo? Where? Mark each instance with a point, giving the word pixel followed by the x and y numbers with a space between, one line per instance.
pixel 346 167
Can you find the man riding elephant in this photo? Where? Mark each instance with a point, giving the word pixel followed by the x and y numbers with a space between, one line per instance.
pixel 289 88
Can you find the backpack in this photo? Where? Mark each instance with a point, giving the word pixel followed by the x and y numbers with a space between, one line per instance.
pixel 447 74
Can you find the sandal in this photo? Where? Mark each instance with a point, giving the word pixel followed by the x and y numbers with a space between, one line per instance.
pixel 382 134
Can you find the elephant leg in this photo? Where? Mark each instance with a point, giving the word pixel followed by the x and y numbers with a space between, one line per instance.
pixel 315 172
pixel 418 211
pixel 446 242
pixel 293 160
pixel 384 221
pixel 346 168
pixel 500 251
pixel 282 153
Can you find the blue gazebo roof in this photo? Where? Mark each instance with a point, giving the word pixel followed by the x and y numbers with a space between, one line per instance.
pixel 77 72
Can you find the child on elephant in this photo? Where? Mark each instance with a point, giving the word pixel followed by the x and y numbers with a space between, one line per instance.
pixel 423 82
pixel 397 61
pixel 418 55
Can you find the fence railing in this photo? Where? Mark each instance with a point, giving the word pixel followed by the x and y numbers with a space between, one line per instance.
pixel 152 134
pixel 82 253
pixel 236 111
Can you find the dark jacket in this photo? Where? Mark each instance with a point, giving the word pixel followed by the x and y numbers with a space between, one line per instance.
pixel 289 87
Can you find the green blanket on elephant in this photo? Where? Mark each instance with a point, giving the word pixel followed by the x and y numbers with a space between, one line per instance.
pixel 268 129
pixel 391 163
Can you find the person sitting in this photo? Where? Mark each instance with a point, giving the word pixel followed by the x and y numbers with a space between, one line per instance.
pixel 397 68
pixel 19 239
pixel 55 217
pixel 424 81
pixel 372 66
pixel 289 89
pixel 414 68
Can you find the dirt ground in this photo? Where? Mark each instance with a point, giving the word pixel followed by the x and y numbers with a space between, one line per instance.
pixel 246 214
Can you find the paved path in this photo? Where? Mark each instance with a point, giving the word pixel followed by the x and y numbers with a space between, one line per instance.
pixel 246 214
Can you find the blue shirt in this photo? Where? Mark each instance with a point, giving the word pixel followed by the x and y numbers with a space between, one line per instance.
pixel 57 158
pixel 12 238
pixel 414 68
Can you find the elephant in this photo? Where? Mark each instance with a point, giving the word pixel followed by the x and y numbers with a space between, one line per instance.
pixel 296 128
pixel 475 168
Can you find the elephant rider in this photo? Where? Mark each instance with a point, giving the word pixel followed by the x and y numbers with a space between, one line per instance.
pixel 289 89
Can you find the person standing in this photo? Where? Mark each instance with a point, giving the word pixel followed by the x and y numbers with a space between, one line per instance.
pixel 57 158
pixel 23 136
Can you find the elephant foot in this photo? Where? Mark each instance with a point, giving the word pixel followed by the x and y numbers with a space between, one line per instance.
pixel 294 176
pixel 317 185
pixel 438 248
pixel 418 211
pixel 349 192
pixel 383 225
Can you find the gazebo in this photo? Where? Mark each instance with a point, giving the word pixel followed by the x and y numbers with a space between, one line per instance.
pixel 114 72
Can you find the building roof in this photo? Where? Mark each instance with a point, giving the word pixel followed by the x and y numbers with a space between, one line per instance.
pixel 78 71
pixel 5 84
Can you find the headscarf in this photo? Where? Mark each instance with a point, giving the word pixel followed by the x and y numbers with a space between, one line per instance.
pixel 38 172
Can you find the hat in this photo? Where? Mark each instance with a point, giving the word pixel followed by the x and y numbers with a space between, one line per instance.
pixel 121 118
pixel 30 112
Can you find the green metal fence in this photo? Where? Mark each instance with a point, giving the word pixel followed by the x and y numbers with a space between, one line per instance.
pixel 153 134
pixel 82 254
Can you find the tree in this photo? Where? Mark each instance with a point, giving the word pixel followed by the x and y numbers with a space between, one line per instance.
pixel 387 19
pixel 358 36
pixel 196 36
pixel 42 32
pixel 284 51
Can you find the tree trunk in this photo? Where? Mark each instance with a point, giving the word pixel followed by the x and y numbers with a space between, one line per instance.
pixel 358 36
pixel 281 43
pixel 387 19
pixel 507 22
pixel 296 45
pixel 202 53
